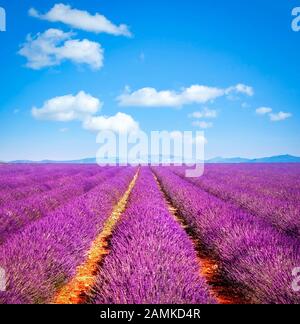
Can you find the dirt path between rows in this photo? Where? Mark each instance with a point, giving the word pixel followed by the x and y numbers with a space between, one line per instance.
pixel 223 291
pixel 76 291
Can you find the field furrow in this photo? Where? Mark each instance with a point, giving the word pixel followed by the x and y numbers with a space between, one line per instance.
pixel 37 175
pixel 84 234
pixel 10 196
pixel 222 290
pixel 261 199
pixel 44 256
pixel 77 290
pixel 253 255
pixel 16 215
pixel 151 259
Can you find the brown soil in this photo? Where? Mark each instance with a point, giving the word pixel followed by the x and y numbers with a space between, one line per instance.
pixel 223 291
pixel 76 291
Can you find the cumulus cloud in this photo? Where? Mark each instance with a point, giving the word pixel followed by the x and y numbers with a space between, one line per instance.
pixel 84 108
pixel 274 117
pixel 280 116
pixel 81 19
pixel 205 113
pixel 195 94
pixel 202 124
pixel 68 108
pixel 120 123
pixel 241 88
pixel 54 46
pixel 263 110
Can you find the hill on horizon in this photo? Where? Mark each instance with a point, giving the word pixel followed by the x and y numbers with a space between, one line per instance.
pixel 236 160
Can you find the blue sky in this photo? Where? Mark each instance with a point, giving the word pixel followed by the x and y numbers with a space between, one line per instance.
pixel 212 45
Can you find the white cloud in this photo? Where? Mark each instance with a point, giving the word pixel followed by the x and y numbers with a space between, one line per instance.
pixel 263 110
pixel 68 108
pixel 149 97
pixel 200 94
pixel 205 113
pixel 84 108
pixel 120 123
pixel 274 117
pixel 241 88
pixel 280 116
pixel 195 94
pixel 202 124
pixel 54 46
pixel 81 19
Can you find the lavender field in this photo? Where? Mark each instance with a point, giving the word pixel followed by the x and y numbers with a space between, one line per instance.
pixel 74 234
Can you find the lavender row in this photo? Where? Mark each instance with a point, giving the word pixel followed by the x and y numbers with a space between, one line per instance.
pixel 282 213
pixel 42 173
pixel 15 216
pixel 152 260
pixel 37 175
pixel 9 196
pixel 10 169
pixel 43 257
pixel 282 181
pixel 252 253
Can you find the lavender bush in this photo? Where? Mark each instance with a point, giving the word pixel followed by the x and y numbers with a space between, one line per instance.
pixel 252 253
pixel 15 215
pixel 44 256
pixel 271 192
pixel 151 260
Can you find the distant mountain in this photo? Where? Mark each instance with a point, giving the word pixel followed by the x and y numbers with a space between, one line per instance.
pixel 142 160
pixel 272 159
pixel 236 160
pixel 278 159
pixel 228 160
pixel 83 161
